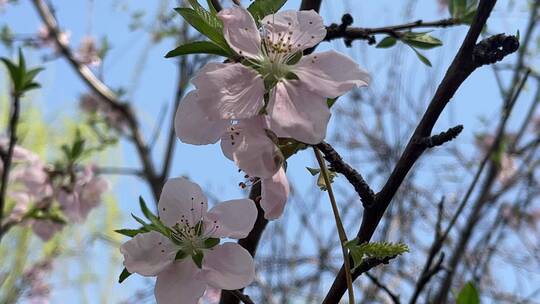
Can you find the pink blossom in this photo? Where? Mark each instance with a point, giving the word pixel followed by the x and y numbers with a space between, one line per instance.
pixel 46 229
pixel 297 91
pixel 183 208
pixel 47 39
pixel 85 195
pixel 35 279
pixel 88 52
pixel 247 142
pixel 93 104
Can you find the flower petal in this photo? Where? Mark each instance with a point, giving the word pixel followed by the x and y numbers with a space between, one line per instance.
pixel 46 229
pixel 193 126
pixel 178 284
pixel 330 74
pixel 229 91
pixel 232 219
pixel 248 144
pixel 299 112
pixel 240 31
pixel 148 253
pixel 304 28
pixel 181 200
pixel 274 194
pixel 70 204
pixel 228 266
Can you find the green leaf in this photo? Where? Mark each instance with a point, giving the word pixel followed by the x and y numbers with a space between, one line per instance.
pixel 197 258
pixel 313 171
pixel 156 225
pixel 379 250
pixel 262 8
pixel 131 232
pixel 468 295
pixel 124 275
pixel 422 57
pixel 387 42
pixel 322 183
pixel 295 58
pixel 147 213
pixel 211 7
pixel 205 23
pixel 211 242
pixel 421 40
pixel 198 47
pixel 14 72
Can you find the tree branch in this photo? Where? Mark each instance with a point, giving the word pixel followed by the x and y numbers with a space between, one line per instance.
pixel 339 165
pixel 357 33
pixel 106 94
pixel 307 5
pixel 461 67
pixel 7 157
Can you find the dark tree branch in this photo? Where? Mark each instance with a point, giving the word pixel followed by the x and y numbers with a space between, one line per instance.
pixel 103 91
pixel 357 33
pixel 307 5
pixel 461 67
pixel 7 157
pixel 392 295
pixel 337 164
pixel 441 138
pixel 250 242
pixel 241 296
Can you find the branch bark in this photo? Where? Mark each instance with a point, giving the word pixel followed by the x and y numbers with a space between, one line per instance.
pixel 461 67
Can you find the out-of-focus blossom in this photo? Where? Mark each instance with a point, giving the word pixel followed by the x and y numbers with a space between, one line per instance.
pixel 47 40
pixel 35 280
pixel 88 52
pixel 93 104
pixel 86 194
pixel 507 162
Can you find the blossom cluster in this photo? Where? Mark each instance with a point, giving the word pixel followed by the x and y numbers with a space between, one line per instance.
pixel 35 187
pixel 268 91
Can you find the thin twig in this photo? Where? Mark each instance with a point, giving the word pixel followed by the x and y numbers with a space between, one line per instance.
pixel 392 295
pixel 242 297
pixel 341 231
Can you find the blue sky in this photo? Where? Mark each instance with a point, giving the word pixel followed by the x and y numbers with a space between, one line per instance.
pixel 155 86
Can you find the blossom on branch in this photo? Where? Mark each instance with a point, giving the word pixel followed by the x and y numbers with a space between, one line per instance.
pixel 272 65
pixel 188 257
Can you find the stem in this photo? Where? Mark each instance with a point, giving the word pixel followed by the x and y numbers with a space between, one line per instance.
pixel 339 224
pixel 7 157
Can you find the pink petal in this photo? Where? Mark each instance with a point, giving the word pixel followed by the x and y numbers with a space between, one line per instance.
pixel 248 145
pixel 233 219
pixel 229 91
pixel 70 204
pixel 46 229
pixel 193 126
pixel 178 284
pixel 305 28
pixel 228 266
pixel 274 194
pixel 181 201
pixel 148 253
pixel 330 74
pixel 299 112
pixel 241 32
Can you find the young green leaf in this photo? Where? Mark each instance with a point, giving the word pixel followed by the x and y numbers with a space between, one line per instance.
pixel 262 8
pixel 387 42
pixel 124 275
pixel 421 40
pixel 313 171
pixel 198 47
pixel 131 232
pixel 379 250
pixel 180 255
pixel 208 25
pixel 468 295
pixel 422 57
